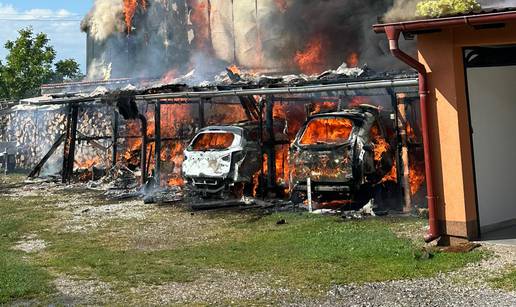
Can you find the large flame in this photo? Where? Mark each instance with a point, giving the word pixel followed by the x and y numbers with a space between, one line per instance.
pixel 130 7
pixel 311 59
pixel 213 141
pixel 327 131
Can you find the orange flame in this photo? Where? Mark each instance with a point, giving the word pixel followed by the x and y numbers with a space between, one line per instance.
pixel 234 69
pixel 353 60
pixel 327 130
pixel 310 60
pixel 217 141
pixel 325 106
pixel 130 7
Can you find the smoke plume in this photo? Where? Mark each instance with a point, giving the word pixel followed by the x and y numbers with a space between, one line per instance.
pixel 174 37
pixel 105 18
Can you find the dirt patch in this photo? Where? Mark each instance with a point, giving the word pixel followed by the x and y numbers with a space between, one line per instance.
pixel 30 244
pixel 74 291
pixel 216 287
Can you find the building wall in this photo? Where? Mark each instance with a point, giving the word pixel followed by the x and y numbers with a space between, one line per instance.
pixel 441 52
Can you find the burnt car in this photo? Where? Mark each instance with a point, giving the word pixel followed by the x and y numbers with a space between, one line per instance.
pixel 343 153
pixel 220 158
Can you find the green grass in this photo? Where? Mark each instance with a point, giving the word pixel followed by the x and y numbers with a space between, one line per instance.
pixel 309 252
pixel 507 281
pixel 313 250
pixel 19 279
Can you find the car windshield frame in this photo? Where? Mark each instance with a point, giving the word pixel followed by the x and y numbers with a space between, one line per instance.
pixel 200 134
pixel 322 143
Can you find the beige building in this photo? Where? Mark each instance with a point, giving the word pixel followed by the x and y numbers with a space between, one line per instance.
pixel 467 67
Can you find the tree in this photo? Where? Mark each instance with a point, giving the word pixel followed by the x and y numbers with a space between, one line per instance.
pixel 28 65
pixel 67 70
pixel 439 8
pixel 3 88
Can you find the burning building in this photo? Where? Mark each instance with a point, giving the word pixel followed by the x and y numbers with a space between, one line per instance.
pixel 161 71
pixel 157 38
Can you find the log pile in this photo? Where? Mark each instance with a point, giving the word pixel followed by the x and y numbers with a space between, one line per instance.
pixel 35 130
pixel 4 121
pixel 94 123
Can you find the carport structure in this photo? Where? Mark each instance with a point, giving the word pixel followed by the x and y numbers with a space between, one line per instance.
pixel 467 69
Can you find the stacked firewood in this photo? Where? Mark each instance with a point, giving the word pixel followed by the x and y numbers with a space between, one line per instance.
pixel 35 132
pixel 4 124
pixel 94 123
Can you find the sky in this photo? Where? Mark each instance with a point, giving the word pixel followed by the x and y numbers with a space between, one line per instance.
pixel 59 19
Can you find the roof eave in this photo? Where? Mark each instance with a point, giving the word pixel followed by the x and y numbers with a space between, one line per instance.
pixel 445 22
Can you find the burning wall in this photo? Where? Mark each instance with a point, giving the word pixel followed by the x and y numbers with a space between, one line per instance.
pixel 280 36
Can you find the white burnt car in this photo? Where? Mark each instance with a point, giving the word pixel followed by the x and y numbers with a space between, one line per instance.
pixel 220 158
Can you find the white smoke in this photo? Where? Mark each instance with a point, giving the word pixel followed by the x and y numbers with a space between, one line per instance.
pixel 106 18
pixel 99 70
pixel 401 10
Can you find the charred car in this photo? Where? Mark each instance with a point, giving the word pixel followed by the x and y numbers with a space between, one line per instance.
pixel 221 157
pixel 343 153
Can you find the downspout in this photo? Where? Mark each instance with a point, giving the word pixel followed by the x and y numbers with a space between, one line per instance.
pixel 393 34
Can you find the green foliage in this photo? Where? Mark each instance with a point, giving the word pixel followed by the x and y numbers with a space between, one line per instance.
pixel 439 8
pixel 29 64
pixel 67 70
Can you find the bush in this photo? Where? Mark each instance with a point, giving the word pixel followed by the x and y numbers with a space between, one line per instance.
pixel 438 8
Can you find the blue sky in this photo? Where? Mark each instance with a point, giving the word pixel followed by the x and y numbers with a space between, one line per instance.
pixel 58 18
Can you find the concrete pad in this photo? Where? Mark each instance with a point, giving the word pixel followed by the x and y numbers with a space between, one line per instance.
pixel 506 236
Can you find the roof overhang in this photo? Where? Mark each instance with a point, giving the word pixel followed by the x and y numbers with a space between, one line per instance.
pixel 431 25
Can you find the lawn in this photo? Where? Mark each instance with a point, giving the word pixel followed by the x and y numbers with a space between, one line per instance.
pixel 309 252
pixel 507 281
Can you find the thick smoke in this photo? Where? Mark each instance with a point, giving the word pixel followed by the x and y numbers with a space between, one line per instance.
pixel 104 19
pixel 346 27
pixel 173 37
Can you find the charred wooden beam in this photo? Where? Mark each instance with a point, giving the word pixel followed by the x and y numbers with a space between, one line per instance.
pixel 143 158
pixel 262 152
pixel 202 120
pixel 69 146
pixel 404 167
pixel 114 136
pixel 37 169
pixel 92 141
pixel 270 144
pixel 157 142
